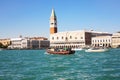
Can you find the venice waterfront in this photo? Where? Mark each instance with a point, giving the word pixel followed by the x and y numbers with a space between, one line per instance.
pixel 38 65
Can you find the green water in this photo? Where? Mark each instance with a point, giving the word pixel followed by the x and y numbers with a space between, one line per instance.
pixel 38 65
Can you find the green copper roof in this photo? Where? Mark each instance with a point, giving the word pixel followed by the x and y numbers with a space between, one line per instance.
pixel 53 13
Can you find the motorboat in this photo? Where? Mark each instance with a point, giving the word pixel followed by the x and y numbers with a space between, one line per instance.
pixel 77 49
pixel 96 50
pixel 60 51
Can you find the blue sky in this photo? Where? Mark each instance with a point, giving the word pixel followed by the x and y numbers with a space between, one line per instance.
pixel 31 17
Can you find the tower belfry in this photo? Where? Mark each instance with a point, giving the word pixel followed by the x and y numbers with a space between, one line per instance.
pixel 53 22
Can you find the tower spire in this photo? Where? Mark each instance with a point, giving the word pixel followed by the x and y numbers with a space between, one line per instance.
pixel 53 13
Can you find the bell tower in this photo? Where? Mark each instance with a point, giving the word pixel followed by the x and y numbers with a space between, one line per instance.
pixel 53 22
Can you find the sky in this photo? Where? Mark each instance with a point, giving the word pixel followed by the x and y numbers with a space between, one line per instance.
pixel 30 18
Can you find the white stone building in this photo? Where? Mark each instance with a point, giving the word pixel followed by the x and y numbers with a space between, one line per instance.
pixel 15 43
pixel 29 43
pixel 25 43
pixel 116 40
pixel 68 39
pixel 102 41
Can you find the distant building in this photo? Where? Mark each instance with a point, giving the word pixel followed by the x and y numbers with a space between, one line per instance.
pixel 102 41
pixel 116 40
pixel 71 39
pixel 5 42
pixel 25 44
pixel 29 43
pixel 38 44
pixel 15 43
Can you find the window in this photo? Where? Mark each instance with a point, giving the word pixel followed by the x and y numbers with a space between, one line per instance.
pixel 66 38
pixel 62 37
pixel 52 23
pixel 103 40
pixel 81 37
pixel 95 40
pixel 75 37
pixel 57 38
pixel 52 38
pixel 70 37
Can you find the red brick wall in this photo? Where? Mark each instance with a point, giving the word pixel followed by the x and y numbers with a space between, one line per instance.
pixel 88 37
pixel 53 30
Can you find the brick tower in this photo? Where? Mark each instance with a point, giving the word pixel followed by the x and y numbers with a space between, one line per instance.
pixel 53 22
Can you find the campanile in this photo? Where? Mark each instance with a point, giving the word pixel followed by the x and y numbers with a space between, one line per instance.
pixel 53 22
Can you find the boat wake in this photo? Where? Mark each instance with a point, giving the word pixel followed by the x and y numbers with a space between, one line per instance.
pixel 46 53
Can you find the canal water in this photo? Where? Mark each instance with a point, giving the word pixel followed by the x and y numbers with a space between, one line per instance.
pixel 38 65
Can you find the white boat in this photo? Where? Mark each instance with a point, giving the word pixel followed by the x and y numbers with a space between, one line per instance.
pixel 77 49
pixel 96 50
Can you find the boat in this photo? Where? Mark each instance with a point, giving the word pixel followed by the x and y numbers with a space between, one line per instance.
pixel 77 49
pixel 60 51
pixel 96 50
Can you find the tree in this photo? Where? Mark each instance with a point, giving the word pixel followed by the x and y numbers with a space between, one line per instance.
pixel 1 45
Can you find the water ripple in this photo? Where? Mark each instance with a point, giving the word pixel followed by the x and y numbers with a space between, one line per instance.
pixel 38 65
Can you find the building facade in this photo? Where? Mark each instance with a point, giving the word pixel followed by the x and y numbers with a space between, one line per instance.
pixel 15 43
pixel 102 41
pixel 29 43
pixel 25 44
pixel 116 40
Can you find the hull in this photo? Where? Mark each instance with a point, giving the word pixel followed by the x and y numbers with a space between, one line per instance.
pixel 96 50
pixel 60 52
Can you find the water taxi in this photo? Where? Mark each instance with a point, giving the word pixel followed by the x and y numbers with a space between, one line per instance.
pixel 60 51
pixel 96 50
